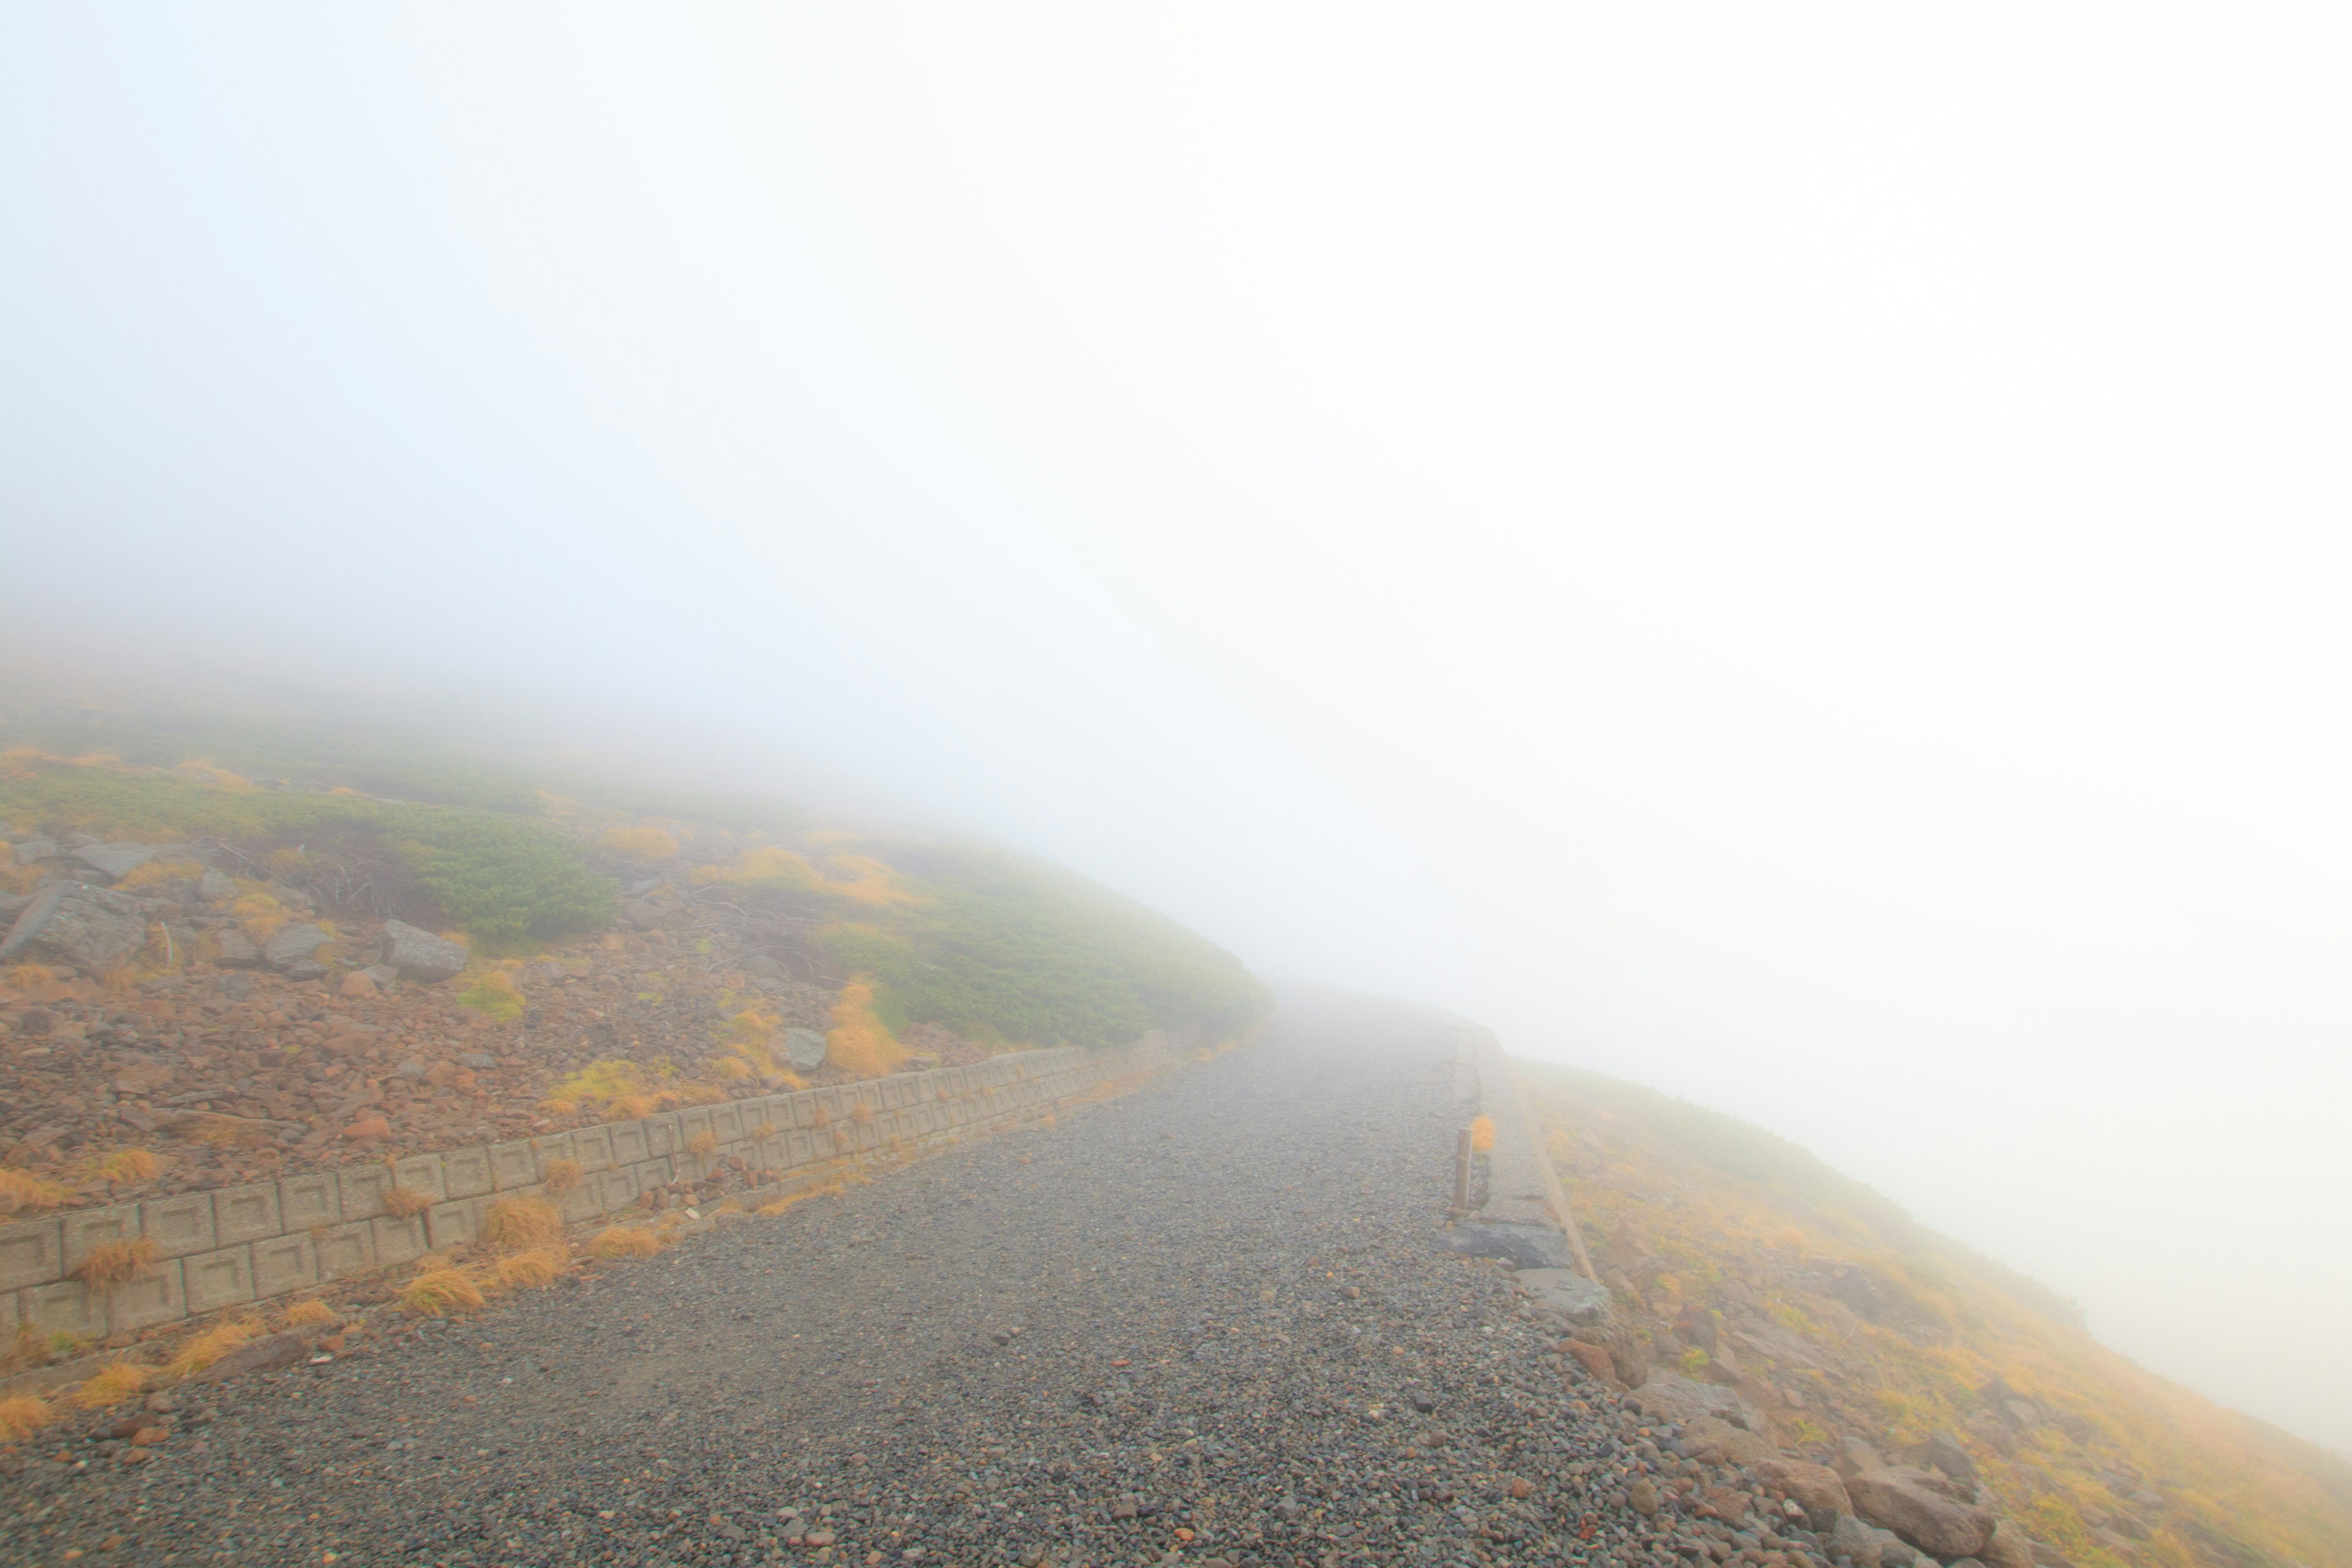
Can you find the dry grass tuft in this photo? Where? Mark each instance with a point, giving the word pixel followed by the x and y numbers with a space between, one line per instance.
pixel 533 1270
pixel 762 1133
pixel 22 1415
pixel 19 1192
pixel 516 1224
pixel 626 1241
pixel 858 1043
pixel 113 1263
pixel 438 1292
pixel 406 1203
pixel 211 1345
pixel 113 1385
pixel 128 1166
pixel 563 1176
pixel 1482 1134
pixel 311 1314
pixel 861 1113
pixel 702 1144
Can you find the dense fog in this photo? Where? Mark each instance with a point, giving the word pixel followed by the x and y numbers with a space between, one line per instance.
pixel 1798 560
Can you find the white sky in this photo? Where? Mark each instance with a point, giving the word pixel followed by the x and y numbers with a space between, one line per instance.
pixel 1798 558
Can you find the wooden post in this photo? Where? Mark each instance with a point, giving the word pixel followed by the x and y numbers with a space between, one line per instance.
pixel 1462 1172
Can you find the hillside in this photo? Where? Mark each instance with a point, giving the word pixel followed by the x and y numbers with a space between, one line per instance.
pixel 1837 1317
pixel 285 941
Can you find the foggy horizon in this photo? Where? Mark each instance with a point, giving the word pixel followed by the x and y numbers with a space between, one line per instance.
pixel 1795 562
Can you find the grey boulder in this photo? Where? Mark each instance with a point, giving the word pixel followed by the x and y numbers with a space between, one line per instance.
pixel 114 861
pixel 292 945
pixel 88 926
pixel 236 951
pixel 213 887
pixel 33 849
pixel 1526 1246
pixel 419 954
pixel 1566 1292
pixel 1936 1525
pixel 805 1048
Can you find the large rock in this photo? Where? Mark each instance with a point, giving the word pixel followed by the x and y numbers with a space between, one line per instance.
pixel 1869 1546
pixel 1937 1526
pixel 293 945
pixel 238 950
pixel 1734 1447
pixel 805 1048
pixel 75 923
pixel 1943 1451
pixel 2009 1547
pixel 1670 1397
pixel 419 954
pixel 1526 1246
pixel 114 861
pixel 32 849
pixel 214 886
pixel 1813 1488
pixel 1565 1291
pixel 260 1356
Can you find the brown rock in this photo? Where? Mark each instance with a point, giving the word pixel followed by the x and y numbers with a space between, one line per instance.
pixel 261 1355
pixel 369 1127
pixel 1596 1358
pixel 1522 1488
pixel 1736 1447
pixel 148 1436
pixel 1723 1503
pixel 357 984
pixel 2009 1547
pixel 1643 1496
pixel 1816 1488
pixel 1934 1524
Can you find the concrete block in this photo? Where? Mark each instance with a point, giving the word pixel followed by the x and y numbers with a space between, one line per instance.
pixel 32 1252
pixel 9 1319
pixel 800 1148
pixel 245 1214
pixel 760 1111
pixel 153 1298
pixel 455 1224
pixel 513 1165
pixel 86 1229
pixel 217 1280
pixel 66 1307
pixel 614 1189
pixel 345 1250
pixel 362 1189
pixel 397 1240
pixel 593 1147
pixel 466 1173
pixel 801 1108
pixel 661 1135
pixel 284 1263
pixel 727 1122
pixel 649 1174
pixel 629 1146
pixel 312 1200
pixel 546 1150
pixel 422 1174
pixel 692 1123
pixel 581 1202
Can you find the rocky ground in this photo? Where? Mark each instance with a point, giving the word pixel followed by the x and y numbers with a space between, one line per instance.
pixel 1209 1319
pixel 282 1041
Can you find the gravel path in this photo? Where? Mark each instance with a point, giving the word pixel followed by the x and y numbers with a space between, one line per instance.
pixel 1205 1317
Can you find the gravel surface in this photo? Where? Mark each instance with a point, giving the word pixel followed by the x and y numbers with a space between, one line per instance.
pixel 1208 1318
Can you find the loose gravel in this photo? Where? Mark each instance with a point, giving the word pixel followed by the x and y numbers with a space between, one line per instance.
pixel 1206 1319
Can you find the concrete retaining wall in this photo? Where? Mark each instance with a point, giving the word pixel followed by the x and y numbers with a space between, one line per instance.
pixel 231 1245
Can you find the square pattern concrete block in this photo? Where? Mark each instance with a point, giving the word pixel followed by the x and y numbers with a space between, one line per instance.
pixel 362 1188
pixel 8 1318
pixel 614 1189
pixel 546 1150
pixel 397 1240
pixel 593 1147
pixel 799 1111
pixel 513 1165
pixel 727 1123
pixel 217 1280
pixel 581 1202
pixel 32 1252
pixel 284 1263
pixel 661 1135
pixel 346 1250
pixel 629 1143
pixel 457 1223
pixel 153 1298
pixel 87 1228
pixel 66 1307
pixel 692 1123
pixel 245 1214
pixel 466 1173
pixel 423 1173
pixel 757 1112
pixel 306 1201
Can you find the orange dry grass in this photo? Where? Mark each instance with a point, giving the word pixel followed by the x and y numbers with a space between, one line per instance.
pixel 516 1224
pixel 643 845
pixel 534 1270
pixel 113 1263
pixel 311 1314
pixel 858 1043
pixel 113 1385
pixel 702 1144
pixel 128 1166
pixel 861 1113
pixel 401 1203
pixel 624 1241
pixel 22 1415
pixel 438 1292
pixel 1482 1134
pixel 563 1176
pixel 211 1345
pixel 19 1192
